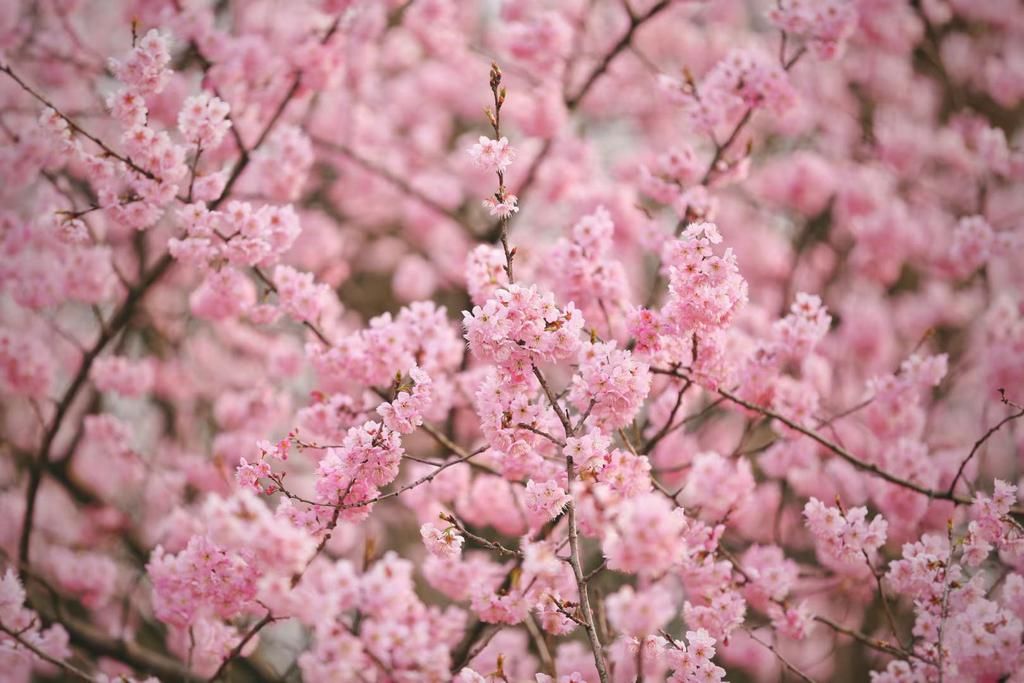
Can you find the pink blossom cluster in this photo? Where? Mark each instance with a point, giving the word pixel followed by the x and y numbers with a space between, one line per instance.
pixel 610 384
pixel 705 290
pixel 368 457
pixel 25 368
pixel 992 527
pixel 585 272
pixel 420 334
pixel 742 81
pixel 50 261
pixel 826 25
pixel 444 543
pixel 845 536
pixel 645 535
pixel 202 579
pixel 24 644
pixel 204 121
pixel 405 413
pixel 492 155
pixel 977 636
pixel 145 71
pixel 522 342
pixel 522 326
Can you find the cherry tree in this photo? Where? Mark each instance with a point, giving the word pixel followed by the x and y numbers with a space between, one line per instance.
pixel 538 341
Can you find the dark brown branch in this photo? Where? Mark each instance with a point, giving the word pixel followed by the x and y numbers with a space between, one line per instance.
pixel 635 22
pixel 663 432
pixel 581 582
pixel 117 322
pixel 490 545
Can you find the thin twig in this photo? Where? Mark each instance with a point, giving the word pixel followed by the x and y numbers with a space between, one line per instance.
pixel 6 68
pixel 491 545
pixel 778 655
pixel 268 618
pixel 392 178
pixel 835 448
pixel 980 442
pixel 73 670
pixel 635 22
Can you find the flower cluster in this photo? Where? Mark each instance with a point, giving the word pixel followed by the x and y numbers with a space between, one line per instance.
pixel 421 335
pixel 24 367
pixel 203 120
pixel 405 412
pixel 299 295
pixel 240 235
pixel 492 155
pixel 742 81
pixel 977 636
pixel 807 324
pixel 691 661
pixel 610 384
pixel 203 579
pixel 23 638
pixel 522 326
pixel 845 536
pixel 544 500
pixel 584 271
pixel 644 536
pixel 722 380
pixel 991 526
pixel 444 543
pixel 705 290
pixel 826 25
pixel 367 458
pixel 145 71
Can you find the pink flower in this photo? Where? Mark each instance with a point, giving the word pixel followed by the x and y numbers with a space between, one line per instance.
pixel 844 535
pixel 546 499
pixel 521 326
pixel 585 269
pixel 493 155
pixel 443 543
pixel 641 613
pixel 368 457
pixel 827 24
pixel 613 381
pixel 485 273
pixel 503 208
pixel 405 412
pixel 705 290
pixel 145 69
pixel 792 622
pixel 645 536
pixel 248 475
pixel 203 579
pixel 973 241
pixel 299 295
pixel 203 120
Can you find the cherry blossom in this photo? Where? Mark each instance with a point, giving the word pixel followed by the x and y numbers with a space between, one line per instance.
pixel 511 342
